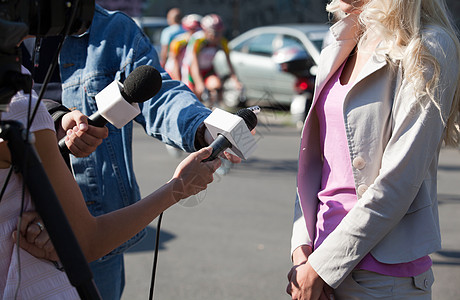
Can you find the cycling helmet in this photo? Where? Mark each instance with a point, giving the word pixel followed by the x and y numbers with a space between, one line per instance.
pixel 191 22
pixel 212 22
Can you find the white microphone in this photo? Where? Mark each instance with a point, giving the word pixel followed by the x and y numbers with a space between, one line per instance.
pixel 232 131
pixel 117 102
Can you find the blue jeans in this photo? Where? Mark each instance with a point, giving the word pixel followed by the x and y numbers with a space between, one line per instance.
pixel 109 276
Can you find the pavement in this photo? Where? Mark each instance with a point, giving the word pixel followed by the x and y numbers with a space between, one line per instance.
pixel 233 242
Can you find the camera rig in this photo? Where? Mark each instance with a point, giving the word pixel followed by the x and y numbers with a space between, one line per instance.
pixel 18 20
pixel 22 18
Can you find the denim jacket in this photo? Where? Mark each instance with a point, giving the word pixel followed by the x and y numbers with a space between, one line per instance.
pixel 111 49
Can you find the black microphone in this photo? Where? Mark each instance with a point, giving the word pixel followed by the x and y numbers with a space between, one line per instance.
pixel 116 101
pixel 221 142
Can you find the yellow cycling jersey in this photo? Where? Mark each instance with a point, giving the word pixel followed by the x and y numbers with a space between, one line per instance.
pixel 202 43
pixel 178 44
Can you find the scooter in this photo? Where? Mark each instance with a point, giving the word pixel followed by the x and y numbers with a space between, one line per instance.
pixel 296 61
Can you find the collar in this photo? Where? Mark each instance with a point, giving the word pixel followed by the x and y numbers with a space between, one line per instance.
pixel 346 28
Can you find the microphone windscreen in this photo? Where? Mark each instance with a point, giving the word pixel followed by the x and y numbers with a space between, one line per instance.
pixel 142 83
pixel 249 117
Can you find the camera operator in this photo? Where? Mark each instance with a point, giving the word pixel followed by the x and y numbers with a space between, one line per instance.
pixel 112 48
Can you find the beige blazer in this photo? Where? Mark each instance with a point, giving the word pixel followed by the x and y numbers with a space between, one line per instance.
pixel 394 146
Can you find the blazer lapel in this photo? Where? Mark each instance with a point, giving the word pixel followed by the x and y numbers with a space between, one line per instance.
pixel 375 63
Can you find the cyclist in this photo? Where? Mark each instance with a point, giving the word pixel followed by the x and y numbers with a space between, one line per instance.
pixel 202 77
pixel 191 24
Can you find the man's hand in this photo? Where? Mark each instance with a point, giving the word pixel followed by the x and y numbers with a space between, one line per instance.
pixel 81 139
pixel 34 238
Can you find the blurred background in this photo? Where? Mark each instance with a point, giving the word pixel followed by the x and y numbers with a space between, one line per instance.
pixel 274 44
pixel 241 15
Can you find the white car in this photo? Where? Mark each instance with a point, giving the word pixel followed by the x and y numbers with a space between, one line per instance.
pixel 251 54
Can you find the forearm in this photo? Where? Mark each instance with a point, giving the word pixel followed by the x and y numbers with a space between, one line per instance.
pixel 97 236
pixel 163 55
pixel 176 74
pixel 300 236
pixel 114 228
pixel 174 114
pixel 195 72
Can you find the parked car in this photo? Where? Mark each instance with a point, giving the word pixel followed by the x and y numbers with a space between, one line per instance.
pixel 252 57
pixel 152 26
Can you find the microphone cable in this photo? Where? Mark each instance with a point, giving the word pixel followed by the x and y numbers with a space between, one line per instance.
pixel 250 118
pixel 155 256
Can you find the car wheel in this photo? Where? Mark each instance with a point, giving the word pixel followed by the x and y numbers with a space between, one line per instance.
pixel 233 96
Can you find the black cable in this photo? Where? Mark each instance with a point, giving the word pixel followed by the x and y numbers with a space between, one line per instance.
pixel 5 184
pixel 48 75
pixel 155 257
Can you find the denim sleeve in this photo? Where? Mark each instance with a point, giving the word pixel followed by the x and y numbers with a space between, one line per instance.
pixel 174 114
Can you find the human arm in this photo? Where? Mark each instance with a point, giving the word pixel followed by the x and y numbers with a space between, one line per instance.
pixel 303 281
pixel 98 235
pixel 233 75
pixel 198 80
pixel 175 72
pixel 173 62
pixel 174 116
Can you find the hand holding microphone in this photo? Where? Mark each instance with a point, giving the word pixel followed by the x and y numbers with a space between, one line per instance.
pixel 81 139
pixel 232 132
pixel 117 103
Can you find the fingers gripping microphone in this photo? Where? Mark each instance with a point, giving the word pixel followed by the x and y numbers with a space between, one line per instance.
pixel 232 131
pixel 117 102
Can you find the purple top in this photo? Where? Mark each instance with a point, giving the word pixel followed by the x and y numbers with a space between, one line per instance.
pixel 338 194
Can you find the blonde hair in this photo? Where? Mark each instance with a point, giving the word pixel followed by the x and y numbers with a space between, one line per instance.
pixel 399 23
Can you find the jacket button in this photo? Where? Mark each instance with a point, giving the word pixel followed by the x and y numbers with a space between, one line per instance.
pixel 359 163
pixel 362 189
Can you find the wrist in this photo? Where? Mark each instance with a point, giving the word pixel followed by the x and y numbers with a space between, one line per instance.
pixel 301 254
pixel 176 189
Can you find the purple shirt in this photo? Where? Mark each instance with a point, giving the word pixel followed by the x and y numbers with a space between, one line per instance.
pixel 338 194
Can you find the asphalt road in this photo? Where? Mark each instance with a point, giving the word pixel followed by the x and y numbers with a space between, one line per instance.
pixel 233 243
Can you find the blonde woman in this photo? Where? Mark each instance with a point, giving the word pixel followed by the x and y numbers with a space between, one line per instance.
pixel 386 100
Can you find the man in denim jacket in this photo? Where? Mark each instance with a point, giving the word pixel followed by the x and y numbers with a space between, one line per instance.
pixel 112 48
